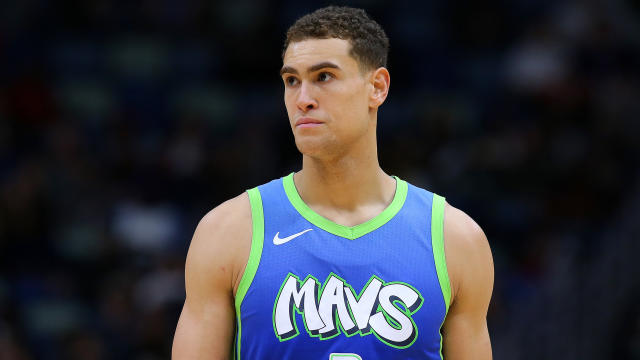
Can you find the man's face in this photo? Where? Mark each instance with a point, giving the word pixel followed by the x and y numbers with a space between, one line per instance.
pixel 326 96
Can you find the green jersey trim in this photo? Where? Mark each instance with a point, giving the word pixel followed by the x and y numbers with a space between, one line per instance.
pixel 349 232
pixel 257 240
pixel 437 243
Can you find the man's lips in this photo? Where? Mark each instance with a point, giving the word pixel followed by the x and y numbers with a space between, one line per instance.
pixel 306 122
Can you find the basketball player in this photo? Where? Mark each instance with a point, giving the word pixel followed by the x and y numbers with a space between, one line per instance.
pixel 338 260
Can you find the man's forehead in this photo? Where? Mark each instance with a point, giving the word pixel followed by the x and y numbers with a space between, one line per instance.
pixel 311 51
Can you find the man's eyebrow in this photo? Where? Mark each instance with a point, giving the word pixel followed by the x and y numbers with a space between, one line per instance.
pixel 288 69
pixel 322 65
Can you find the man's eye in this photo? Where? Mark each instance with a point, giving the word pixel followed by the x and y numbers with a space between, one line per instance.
pixel 324 76
pixel 291 81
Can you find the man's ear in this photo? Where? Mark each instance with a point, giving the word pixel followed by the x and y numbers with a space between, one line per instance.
pixel 381 81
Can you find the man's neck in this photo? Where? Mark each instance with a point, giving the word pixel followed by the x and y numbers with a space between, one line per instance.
pixel 349 190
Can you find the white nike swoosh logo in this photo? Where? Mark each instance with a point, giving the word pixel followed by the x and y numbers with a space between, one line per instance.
pixel 280 241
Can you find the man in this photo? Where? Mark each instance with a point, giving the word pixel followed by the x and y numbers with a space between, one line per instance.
pixel 339 260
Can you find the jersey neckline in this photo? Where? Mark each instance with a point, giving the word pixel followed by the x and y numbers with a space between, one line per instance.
pixel 349 232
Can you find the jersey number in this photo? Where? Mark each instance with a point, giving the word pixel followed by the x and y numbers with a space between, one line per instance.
pixel 344 356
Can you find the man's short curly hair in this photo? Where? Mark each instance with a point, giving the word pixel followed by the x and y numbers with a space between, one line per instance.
pixel 369 43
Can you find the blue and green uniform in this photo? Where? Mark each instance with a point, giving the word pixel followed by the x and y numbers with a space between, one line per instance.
pixel 315 289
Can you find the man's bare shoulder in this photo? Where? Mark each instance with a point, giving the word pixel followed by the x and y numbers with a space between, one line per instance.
pixel 222 241
pixel 469 259
pixel 232 216
pixel 460 227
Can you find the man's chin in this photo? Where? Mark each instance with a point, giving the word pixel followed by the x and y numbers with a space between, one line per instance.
pixel 315 148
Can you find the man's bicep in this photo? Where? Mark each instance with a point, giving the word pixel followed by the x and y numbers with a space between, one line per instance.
pixel 465 337
pixel 205 332
pixel 206 326
pixel 465 332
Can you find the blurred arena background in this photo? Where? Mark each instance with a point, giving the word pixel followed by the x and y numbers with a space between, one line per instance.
pixel 122 123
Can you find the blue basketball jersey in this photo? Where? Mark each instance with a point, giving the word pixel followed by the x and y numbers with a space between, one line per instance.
pixel 315 289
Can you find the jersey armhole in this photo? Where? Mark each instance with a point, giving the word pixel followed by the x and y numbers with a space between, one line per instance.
pixel 257 240
pixel 257 235
pixel 437 242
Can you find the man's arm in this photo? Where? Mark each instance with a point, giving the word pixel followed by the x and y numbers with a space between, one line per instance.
pixel 470 267
pixel 217 256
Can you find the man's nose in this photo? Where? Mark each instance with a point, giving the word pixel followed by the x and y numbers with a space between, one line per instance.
pixel 306 101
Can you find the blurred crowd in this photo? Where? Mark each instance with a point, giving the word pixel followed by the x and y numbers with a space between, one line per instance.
pixel 123 123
